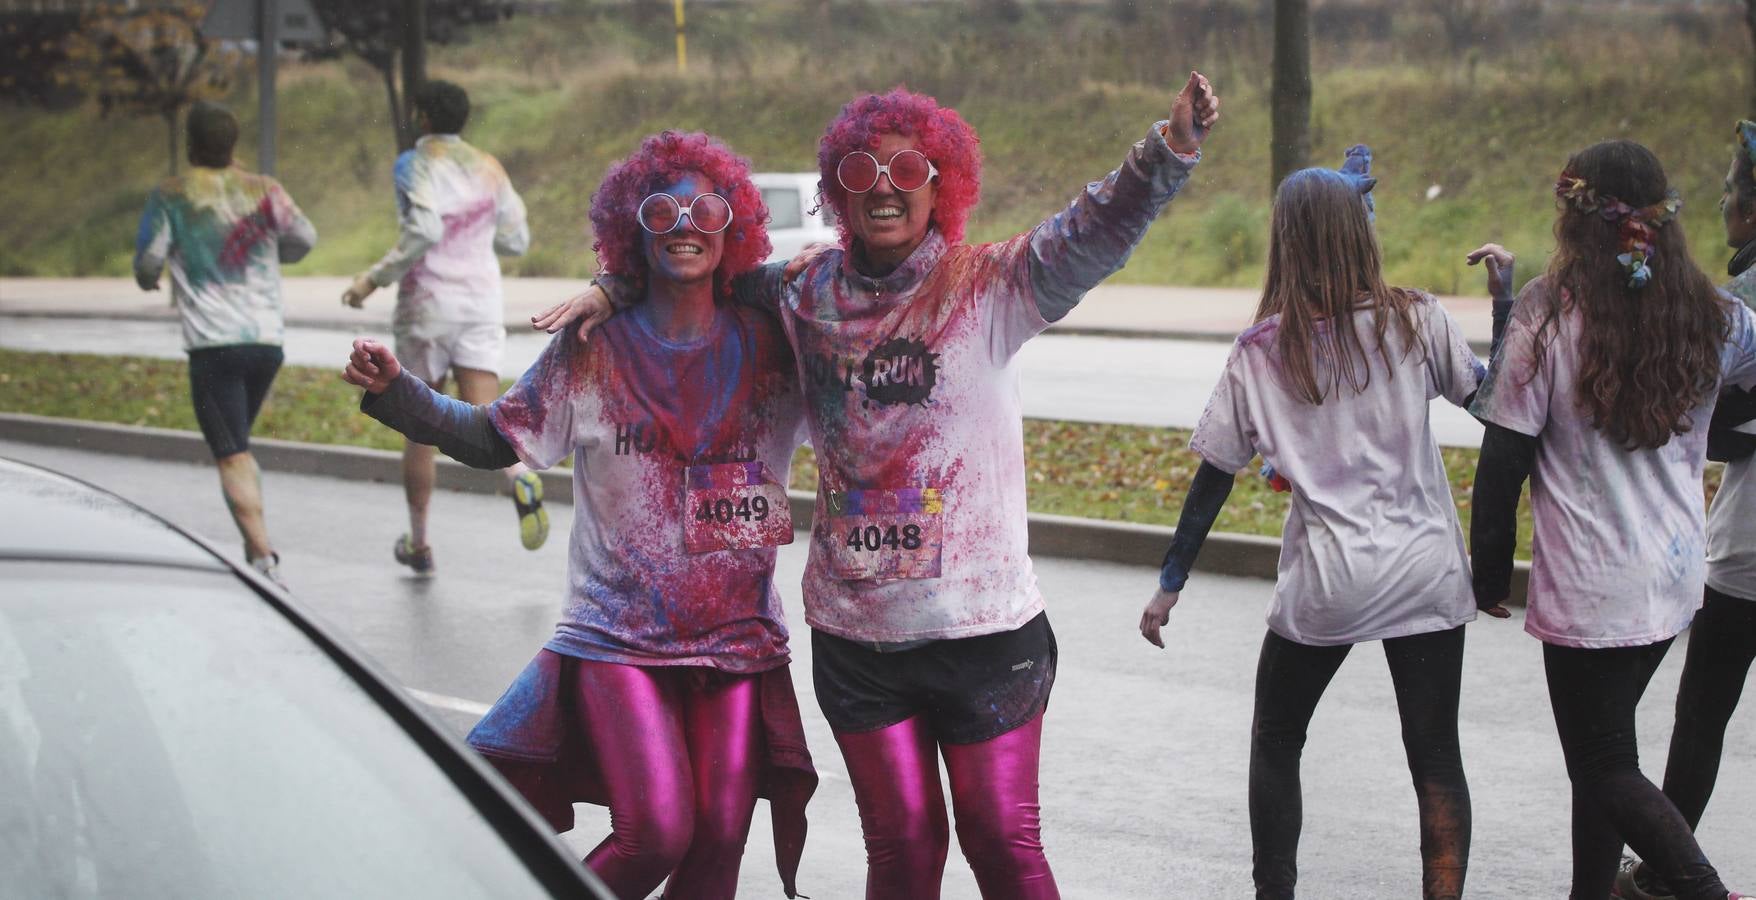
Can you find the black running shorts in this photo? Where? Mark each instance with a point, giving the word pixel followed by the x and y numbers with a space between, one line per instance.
pixel 969 689
pixel 227 386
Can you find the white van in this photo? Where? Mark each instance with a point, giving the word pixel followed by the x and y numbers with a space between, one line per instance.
pixel 795 218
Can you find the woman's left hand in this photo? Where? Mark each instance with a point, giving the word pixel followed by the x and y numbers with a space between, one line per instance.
pixel 1157 615
pixel 1195 110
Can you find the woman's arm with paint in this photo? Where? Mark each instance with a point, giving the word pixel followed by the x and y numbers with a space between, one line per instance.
pixel 295 235
pixel 1078 247
pixel 152 243
pixel 610 294
pixel 1207 496
pixel 462 431
pixel 1506 460
pixel 1500 265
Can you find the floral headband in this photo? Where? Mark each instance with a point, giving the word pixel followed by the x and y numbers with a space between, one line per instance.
pixel 1639 227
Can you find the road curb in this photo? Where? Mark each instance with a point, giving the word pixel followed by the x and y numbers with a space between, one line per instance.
pixel 1130 543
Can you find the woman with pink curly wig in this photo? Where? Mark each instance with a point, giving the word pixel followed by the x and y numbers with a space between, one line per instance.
pixel 928 636
pixel 664 692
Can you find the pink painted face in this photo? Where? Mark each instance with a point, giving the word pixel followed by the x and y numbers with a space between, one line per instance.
pixel 888 224
pixel 686 254
pixel 1740 223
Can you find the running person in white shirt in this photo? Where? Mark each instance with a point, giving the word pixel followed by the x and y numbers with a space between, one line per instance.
pixel 458 211
pixel 224 233
pixel 1601 396
pixel 1332 387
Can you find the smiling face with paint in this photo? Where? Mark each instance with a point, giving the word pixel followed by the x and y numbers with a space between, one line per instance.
pixel 685 255
pixel 888 224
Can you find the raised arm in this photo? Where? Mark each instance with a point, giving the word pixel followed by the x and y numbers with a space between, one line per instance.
pixel 1078 247
pixel 462 431
pixel 760 288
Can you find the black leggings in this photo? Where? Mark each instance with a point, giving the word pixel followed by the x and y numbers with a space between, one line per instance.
pixel 1593 693
pixel 1427 670
pixel 1722 643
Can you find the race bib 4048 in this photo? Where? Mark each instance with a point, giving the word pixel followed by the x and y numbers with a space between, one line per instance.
pixel 734 506
pixel 885 533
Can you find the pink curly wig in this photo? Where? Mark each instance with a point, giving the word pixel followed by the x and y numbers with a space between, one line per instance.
pixel 940 133
pixel 662 159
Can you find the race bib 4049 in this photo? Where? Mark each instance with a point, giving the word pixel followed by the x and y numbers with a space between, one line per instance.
pixel 885 533
pixel 734 506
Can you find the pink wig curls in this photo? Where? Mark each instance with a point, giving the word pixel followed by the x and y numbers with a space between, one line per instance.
pixel 940 133
pixel 662 159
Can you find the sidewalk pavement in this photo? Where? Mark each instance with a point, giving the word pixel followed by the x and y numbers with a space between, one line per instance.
pixel 1180 313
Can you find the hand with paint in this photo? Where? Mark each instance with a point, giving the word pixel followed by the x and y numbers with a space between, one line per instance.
pixel 1193 113
pixel 371 366
pixel 356 293
pixel 803 259
pixel 592 307
pixel 1500 269
pixel 1157 615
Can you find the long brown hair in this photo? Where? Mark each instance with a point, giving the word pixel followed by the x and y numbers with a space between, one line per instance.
pixel 1649 355
pixel 1323 262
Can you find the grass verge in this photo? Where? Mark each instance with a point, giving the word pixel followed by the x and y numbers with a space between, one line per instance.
pixel 1118 472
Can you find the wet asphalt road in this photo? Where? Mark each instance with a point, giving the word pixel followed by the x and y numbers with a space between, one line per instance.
pixel 1145 751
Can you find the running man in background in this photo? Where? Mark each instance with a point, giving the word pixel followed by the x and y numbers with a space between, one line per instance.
pixel 224 233
pixel 457 210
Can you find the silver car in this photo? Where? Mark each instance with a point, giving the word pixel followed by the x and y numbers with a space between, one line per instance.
pixel 795 217
pixel 174 726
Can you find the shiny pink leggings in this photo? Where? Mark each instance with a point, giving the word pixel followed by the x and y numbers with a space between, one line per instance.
pixel 895 772
pixel 679 761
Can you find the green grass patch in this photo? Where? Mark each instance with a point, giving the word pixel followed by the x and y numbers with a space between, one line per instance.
pixel 1118 472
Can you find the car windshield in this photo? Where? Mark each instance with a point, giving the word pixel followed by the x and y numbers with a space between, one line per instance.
pixel 165 734
pixel 783 207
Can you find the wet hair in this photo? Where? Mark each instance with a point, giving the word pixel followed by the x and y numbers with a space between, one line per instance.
pixel 445 105
pixel 1324 263
pixel 1648 356
pixel 662 159
pixel 213 132
pixel 940 134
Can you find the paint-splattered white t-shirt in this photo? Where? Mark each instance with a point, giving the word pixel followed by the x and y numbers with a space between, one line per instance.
pixel 1372 548
pixel 458 212
pixel 670 444
pixel 911 393
pixel 224 234
pixel 1731 520
pixel 1618 557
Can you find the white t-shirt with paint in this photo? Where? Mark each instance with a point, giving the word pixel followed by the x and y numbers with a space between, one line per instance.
pixel 1619 553
pixel 1372 548
pixel 1731 520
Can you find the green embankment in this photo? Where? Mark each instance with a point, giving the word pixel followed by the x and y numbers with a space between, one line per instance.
pixel 1056 95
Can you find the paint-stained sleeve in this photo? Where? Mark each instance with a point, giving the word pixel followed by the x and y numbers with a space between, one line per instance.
pixel 1453 371
pixel 1738 368
pixel 152 243
pixel 420 225
pixel 1085 243
pixel 511 228
pixel 1515 395
pixel 1207 496
pixel 762 287
pixel 462 431
pixel 537 415
pixel 1226 434
pixel 295 235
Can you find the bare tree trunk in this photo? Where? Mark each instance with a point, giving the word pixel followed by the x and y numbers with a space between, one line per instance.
pixel 171 135
pixel 1290 107
pixel 1750 21
pixel 414 63
pixel 398 124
